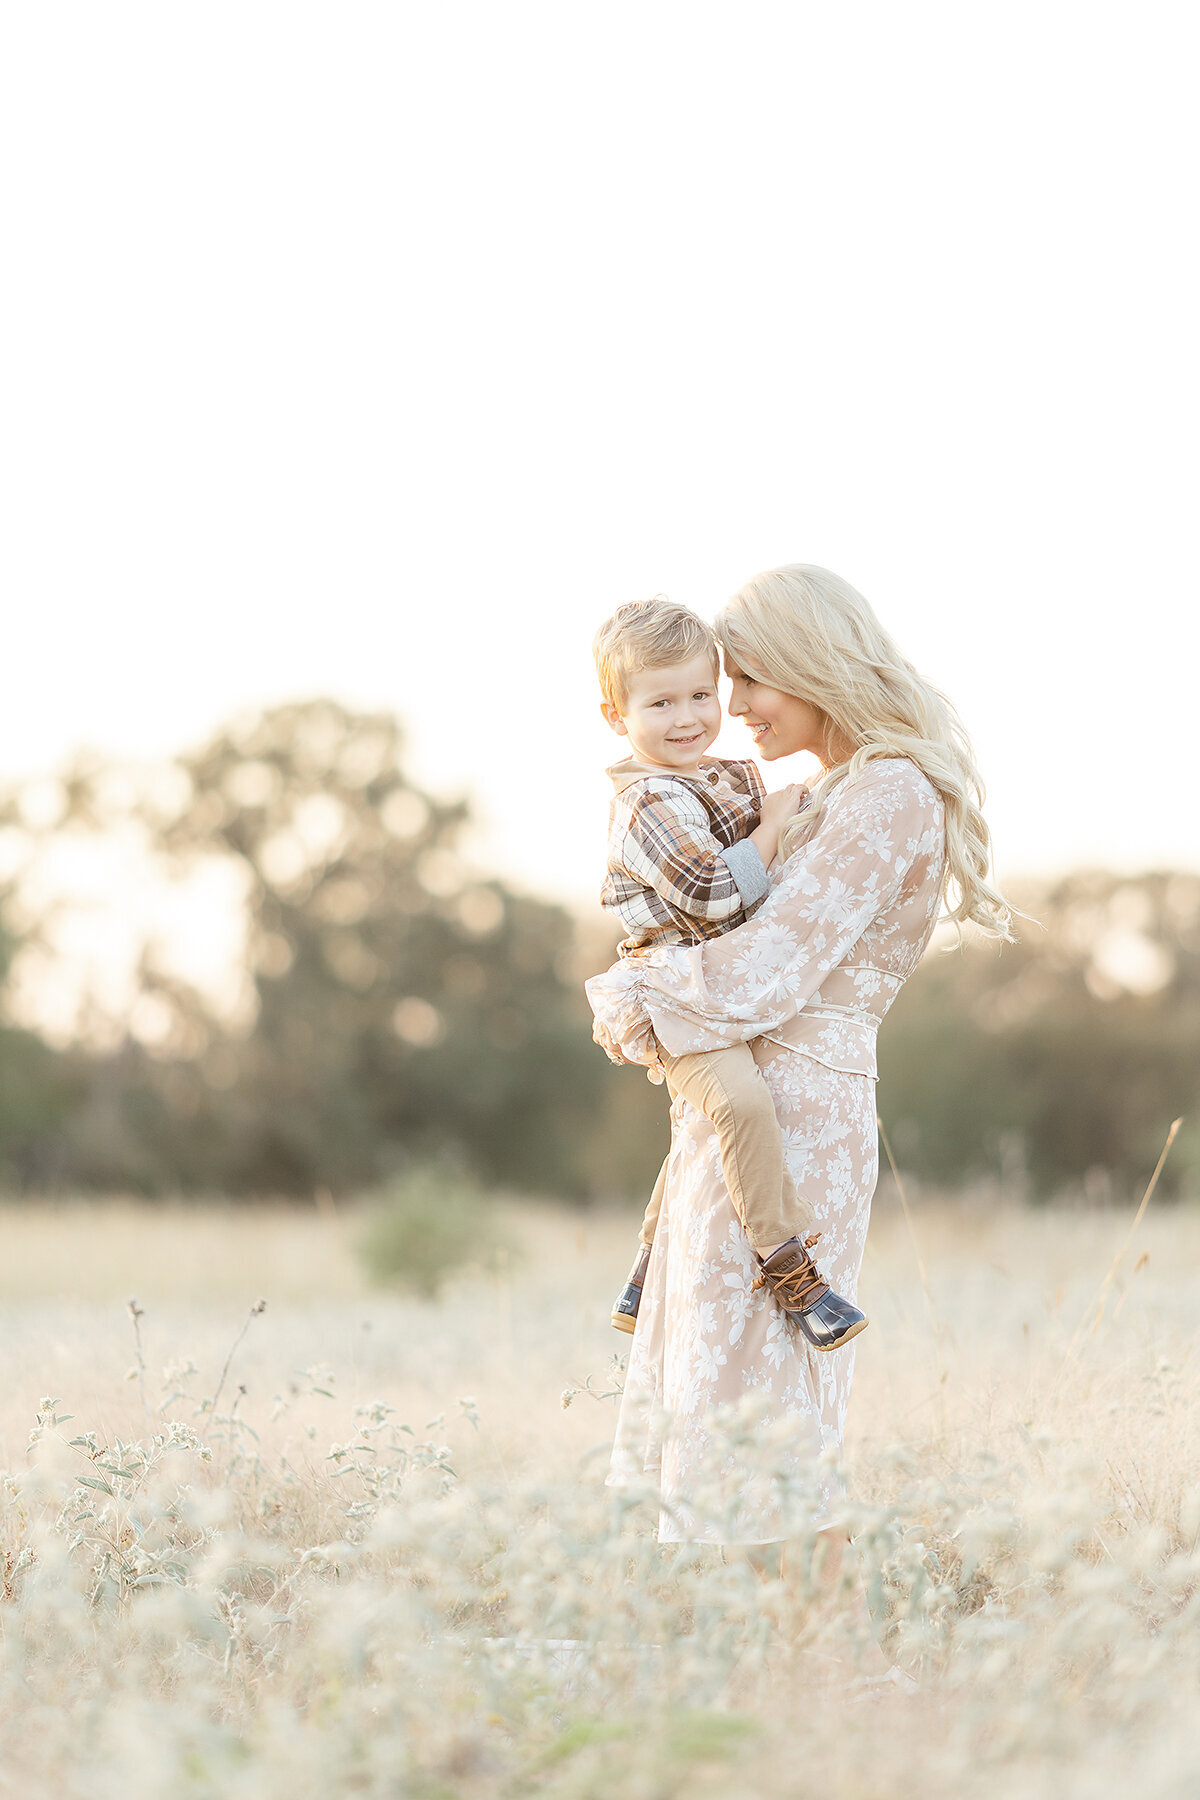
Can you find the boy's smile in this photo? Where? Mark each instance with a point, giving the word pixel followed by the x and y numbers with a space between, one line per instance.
pixel 670 716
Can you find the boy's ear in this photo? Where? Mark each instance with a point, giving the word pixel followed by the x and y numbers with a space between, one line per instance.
pixel 614 718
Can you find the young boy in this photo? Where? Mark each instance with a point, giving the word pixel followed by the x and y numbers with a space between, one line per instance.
pixel 690 838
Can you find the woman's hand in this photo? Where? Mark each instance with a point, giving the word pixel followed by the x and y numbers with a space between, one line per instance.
pixel 777 809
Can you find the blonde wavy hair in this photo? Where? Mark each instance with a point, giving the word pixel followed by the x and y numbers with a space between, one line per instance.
pixel 810 634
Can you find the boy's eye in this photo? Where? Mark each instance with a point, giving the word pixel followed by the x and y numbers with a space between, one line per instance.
pixel 702 694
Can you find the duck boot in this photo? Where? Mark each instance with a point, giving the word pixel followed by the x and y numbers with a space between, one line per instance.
pixel 825 1318
pixel 624 1313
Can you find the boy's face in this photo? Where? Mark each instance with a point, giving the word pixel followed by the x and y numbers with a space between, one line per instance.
pixel 670 716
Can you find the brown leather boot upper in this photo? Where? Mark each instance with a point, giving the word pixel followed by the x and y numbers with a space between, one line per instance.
pixel 793 1277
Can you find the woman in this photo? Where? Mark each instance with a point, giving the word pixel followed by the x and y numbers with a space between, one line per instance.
pixel 894 831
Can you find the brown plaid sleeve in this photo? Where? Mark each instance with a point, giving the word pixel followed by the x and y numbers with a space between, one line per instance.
pixel 756 787
pixel 669 847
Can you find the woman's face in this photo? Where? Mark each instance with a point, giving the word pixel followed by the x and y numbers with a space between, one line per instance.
pixel 782 724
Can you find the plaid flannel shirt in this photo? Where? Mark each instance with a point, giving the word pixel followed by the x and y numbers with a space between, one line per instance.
pixel 678 869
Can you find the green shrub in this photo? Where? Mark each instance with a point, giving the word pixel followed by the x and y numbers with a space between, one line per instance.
pixel 427 1225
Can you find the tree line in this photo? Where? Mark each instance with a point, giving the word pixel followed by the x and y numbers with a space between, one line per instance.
pixel 398 1007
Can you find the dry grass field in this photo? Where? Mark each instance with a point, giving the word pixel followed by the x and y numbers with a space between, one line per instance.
pixel 383 1562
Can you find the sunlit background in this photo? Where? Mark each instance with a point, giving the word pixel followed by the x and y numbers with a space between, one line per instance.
pixel 358 359
pixel 376 353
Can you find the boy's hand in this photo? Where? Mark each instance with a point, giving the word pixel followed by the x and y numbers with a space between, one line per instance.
pixel 782 805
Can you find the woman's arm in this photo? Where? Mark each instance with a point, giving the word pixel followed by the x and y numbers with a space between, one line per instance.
pixel 758 976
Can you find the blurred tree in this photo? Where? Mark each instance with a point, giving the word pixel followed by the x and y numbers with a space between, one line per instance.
pixel 37 1091
pixel 1063 1058
pixel 401 1006
pixel 401 1000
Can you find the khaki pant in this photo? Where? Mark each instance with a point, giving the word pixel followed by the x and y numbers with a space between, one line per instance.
pixel 728 1088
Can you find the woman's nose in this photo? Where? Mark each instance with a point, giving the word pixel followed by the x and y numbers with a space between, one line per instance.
pixel 737 705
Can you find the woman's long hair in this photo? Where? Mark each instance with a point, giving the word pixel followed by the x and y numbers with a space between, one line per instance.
pixel 809 633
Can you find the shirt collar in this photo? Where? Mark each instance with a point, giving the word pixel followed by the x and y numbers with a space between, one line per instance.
pixel 710 774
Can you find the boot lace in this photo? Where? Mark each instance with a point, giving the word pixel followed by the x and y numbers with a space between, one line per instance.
pixel 801 1284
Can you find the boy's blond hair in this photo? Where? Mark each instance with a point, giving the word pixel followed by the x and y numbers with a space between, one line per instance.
pixel 648 634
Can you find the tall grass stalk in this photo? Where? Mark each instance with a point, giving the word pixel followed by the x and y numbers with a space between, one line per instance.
pixel 1098 1304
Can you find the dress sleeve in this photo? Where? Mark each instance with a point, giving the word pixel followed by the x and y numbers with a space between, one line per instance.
pixel 669 847
pixel 759 975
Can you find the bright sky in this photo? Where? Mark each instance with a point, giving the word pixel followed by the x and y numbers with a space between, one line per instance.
pixel 381 350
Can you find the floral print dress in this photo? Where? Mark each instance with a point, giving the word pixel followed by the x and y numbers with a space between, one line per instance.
pixel 727 1411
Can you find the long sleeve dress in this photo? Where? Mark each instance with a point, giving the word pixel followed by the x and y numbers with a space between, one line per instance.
pixel 727 1410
